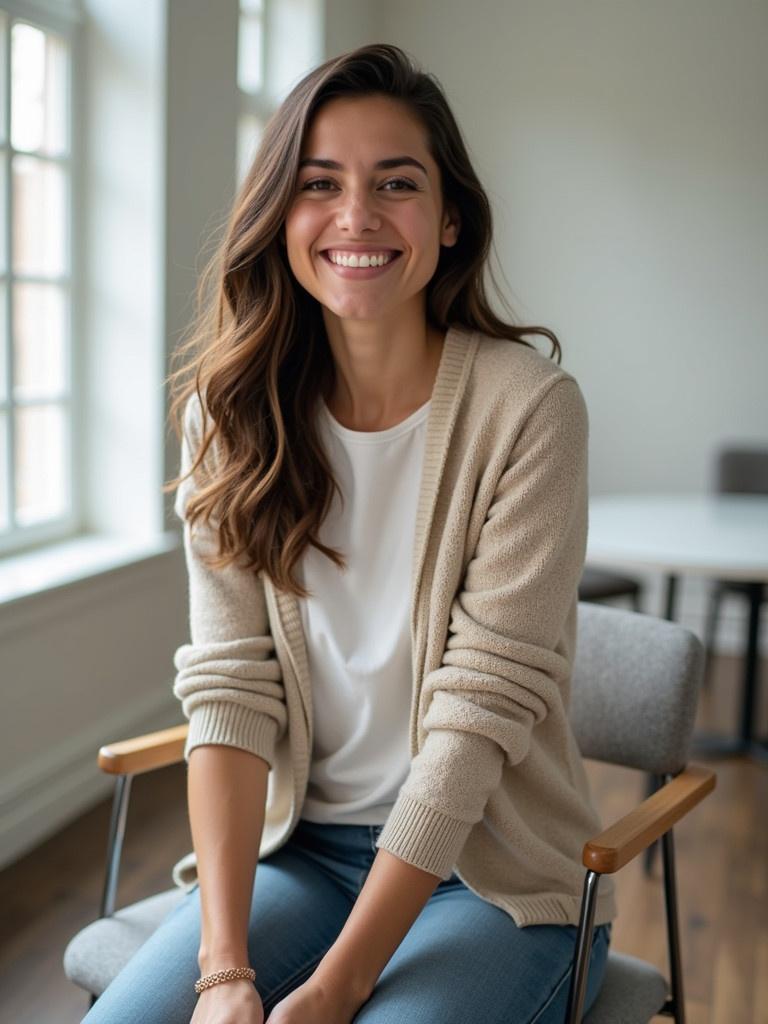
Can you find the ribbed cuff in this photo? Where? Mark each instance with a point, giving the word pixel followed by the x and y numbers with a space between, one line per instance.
pixel 424 837
pixel 232 725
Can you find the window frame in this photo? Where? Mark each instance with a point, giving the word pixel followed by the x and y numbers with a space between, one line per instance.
pixel 259 105
pixel 65 19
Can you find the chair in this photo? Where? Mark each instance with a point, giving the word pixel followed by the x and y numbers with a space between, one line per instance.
pixel 603 584
pixel 628 667
pixel 738 470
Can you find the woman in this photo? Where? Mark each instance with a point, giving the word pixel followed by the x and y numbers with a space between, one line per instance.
pixel 384 496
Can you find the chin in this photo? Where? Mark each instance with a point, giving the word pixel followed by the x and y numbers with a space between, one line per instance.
pixel 355 312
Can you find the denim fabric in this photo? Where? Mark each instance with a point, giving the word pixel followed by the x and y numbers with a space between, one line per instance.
pixel 462 960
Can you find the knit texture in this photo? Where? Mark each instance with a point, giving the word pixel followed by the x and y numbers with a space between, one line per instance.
pixel 497 789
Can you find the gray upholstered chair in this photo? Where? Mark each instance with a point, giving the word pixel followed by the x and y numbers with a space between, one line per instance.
pixel 630 669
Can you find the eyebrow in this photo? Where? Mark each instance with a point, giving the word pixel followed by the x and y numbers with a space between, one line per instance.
pixel 382 165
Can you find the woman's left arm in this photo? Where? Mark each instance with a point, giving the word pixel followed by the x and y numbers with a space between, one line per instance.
pixel 391 899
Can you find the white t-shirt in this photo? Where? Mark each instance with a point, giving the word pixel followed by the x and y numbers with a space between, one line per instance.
pixel 357 622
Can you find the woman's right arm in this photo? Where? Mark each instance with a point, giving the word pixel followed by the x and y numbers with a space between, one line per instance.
pixel 227 791
pixel 229 681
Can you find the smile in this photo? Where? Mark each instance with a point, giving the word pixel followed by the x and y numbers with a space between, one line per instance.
pixel 359 265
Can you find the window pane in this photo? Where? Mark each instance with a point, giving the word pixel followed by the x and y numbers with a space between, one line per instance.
pixel 3 215
pixel 5 498
pixel 3 34
pixel 39 318
pixel 252 6
pixel 38 216
pixel 249 70
pixel 3 344
pixel 39 463
pixel 249 129
pixel 38 89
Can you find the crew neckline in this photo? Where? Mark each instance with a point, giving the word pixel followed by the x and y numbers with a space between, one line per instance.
pixel 375 436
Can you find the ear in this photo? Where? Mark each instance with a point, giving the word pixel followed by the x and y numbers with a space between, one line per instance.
pixel 451 224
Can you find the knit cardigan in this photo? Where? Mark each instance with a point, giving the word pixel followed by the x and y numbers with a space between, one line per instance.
pixel 497 789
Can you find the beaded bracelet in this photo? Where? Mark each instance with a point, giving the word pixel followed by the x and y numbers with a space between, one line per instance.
pixel 227 975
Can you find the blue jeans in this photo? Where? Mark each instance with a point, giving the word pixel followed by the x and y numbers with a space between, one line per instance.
pixel 463 958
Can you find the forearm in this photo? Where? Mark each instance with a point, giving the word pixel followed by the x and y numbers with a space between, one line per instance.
pixel 390 901
pixel 227 792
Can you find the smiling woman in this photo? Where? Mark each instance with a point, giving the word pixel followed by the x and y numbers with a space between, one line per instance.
pixel 385 526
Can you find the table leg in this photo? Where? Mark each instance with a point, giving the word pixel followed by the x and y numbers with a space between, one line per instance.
pixel 713 746
pixel 670 599
pixel 751 666
pixel 756 748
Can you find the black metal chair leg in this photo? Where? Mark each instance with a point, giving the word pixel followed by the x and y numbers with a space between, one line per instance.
pixel 115 842
pixel 583 949
pixel 652 783
pixel 673 927
pixel 117 822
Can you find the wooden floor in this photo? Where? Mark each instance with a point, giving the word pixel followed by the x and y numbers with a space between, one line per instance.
pixel 722 853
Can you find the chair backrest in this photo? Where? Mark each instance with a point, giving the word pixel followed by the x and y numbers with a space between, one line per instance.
pixel 634 688
pixel 742 470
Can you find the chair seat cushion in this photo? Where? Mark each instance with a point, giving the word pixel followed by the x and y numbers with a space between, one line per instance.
pixel 99 951
pixel 633 992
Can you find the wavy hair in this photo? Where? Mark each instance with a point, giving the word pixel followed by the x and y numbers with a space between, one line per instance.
pixel 258 359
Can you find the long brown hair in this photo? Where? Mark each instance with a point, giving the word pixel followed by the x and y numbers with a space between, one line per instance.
pixel 258 359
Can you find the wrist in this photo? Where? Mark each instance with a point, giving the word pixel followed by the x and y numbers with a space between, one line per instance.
pixel 219 959
pixel 347 984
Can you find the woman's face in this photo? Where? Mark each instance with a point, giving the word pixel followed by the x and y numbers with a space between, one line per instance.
pixel 352 206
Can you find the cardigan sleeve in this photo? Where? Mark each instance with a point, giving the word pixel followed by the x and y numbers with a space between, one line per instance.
pixel 228 678
pixel 508 652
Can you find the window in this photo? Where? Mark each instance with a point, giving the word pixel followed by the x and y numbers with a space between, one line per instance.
pixel 36 394
pixel 278 42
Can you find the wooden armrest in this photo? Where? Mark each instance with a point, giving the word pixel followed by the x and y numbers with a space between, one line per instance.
pixel 144 753
pixel 630 835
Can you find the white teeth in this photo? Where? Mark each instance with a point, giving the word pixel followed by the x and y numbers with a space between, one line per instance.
pixel 364 260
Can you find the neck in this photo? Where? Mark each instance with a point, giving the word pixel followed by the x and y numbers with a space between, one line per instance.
pixel 384 371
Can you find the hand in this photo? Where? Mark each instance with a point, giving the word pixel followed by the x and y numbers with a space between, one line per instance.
pixel 230 1002
pixel 314 1003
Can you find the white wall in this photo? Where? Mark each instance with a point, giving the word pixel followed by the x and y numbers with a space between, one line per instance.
pixel 624 146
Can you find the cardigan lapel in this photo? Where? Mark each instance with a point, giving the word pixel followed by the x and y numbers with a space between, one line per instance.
pixel 450 383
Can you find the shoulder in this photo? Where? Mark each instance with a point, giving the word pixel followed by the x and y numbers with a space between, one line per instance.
pixel 516 365
pixel 197 423
pixel 193 419
pixel 514 379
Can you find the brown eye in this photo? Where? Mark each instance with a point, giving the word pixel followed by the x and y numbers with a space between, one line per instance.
pixel 307 186
pixel 401 181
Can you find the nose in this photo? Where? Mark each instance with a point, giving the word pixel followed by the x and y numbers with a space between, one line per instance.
pixel 356 212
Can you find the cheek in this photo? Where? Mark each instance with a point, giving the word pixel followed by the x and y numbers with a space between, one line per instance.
pixel 301 225
pixel 421 225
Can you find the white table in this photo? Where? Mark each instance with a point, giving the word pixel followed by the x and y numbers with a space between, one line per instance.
pixel 719 536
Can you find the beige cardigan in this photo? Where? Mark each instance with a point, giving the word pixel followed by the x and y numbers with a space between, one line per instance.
pixel 497 789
